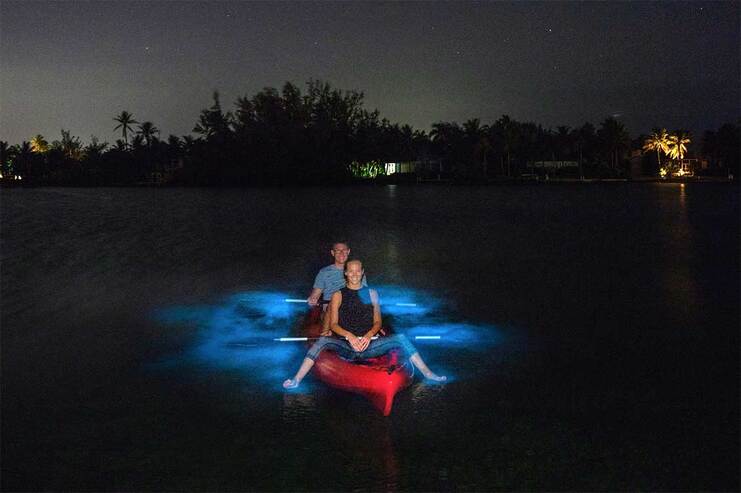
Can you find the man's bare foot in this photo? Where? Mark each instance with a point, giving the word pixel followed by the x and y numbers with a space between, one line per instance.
pixel 290 384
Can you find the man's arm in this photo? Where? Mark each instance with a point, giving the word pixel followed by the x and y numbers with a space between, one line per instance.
pixel 316 292
pixel 314 296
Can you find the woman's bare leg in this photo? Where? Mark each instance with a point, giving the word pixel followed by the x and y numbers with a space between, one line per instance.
pixel 416 359
pixel 292 383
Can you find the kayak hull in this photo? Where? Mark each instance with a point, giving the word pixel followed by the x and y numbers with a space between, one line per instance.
pixel 378 379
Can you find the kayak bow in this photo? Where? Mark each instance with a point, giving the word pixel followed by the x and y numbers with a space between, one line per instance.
pixel 378 379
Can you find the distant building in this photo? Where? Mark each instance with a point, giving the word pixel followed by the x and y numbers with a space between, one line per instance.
pixel 432 170
pixel 392 168
pixel 551 165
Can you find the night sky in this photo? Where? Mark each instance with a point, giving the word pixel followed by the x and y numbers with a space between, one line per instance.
pixel 75 65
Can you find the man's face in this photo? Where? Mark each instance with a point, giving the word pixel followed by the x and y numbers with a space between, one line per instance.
pixel 340 252
pixel 354 272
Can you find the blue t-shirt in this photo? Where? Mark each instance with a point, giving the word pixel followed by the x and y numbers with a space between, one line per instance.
pixel 331 279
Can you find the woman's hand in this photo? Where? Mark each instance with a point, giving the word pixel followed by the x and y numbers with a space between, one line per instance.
pixel 356 343
pixel 364 342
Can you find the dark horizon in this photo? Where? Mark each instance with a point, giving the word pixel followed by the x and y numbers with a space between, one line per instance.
pixel 77 65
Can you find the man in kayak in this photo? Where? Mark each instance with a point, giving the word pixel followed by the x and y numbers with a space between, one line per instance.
pixel 355 318
pixel 330 279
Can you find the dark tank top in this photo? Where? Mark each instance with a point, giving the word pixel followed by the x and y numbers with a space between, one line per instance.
pixel 356 310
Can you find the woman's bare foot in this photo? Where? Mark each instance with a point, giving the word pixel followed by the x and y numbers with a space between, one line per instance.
pixel 435 378
pixel 291 384
pixel 417 361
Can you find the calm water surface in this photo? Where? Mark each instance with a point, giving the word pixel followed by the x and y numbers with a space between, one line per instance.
pixel 591 332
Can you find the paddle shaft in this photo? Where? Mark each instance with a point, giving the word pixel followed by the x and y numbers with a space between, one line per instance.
pixel 297 300
pixel 306 339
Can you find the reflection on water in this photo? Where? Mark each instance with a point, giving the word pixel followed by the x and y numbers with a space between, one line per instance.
pixel 423 393
pixel 679 281
pixel 298 406
pixel 592 332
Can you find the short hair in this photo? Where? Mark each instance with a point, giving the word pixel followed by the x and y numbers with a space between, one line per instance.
pixel 343 242
pixel 353 261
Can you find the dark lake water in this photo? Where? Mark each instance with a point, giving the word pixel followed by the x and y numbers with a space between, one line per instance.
pixel 591 333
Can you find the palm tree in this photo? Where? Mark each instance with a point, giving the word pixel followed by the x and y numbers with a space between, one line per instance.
pixel 446 138
pixel 213 122
pixel 148 132
pixel 5 155
pixel 478 141
pixel 658 141
pixel 677 144
pixel 710 147
pixel 39 145
pixel 71 145
pixel 583 138
pixel 95 148
pixel 23 164
pixel 125 121
pixel 563 140
pixel 509 132
pixel 614 139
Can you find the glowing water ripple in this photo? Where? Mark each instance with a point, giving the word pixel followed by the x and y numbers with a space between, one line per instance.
pixel 238 333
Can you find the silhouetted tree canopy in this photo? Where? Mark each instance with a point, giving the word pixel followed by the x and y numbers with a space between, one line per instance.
pixel 326 135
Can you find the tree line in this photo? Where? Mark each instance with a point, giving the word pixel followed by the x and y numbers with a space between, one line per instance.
pixel 325 135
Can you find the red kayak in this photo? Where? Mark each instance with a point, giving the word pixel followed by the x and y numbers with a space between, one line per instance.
pixel 378 379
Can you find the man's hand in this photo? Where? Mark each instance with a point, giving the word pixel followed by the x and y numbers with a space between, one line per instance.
pixel 313 300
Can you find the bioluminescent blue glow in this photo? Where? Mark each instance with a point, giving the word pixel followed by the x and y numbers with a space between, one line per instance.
pixel 238 332
pixel 450 334
pixel 256 331
pixel 400 301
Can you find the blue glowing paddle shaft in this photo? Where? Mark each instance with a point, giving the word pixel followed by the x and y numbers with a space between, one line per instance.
pixel 295 300
pixel 297 339
pixel 304 339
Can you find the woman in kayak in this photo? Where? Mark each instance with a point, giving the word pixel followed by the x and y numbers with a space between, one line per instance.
pixel 355 318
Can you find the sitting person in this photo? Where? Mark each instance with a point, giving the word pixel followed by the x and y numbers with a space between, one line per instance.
pixel 355 318
pixel 330 279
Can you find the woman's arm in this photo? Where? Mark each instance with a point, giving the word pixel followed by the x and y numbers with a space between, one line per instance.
pixel 376 316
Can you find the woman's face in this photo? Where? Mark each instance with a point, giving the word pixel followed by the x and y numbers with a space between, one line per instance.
pixel 354 273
